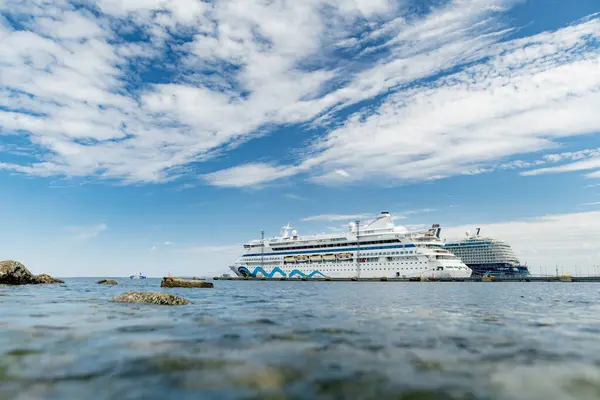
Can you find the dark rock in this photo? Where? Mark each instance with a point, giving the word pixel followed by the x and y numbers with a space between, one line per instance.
pixel 45 278
pixel 150 298
pixel 107 282
pixel 15 273
pixel 188 283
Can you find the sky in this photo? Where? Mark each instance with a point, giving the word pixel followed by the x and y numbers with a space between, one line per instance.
pixel 157 136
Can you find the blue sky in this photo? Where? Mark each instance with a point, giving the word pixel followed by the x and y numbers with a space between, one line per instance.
pixel 157 136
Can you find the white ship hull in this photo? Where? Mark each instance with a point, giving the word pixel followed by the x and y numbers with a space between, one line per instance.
pixel 349 270
pixel 385 251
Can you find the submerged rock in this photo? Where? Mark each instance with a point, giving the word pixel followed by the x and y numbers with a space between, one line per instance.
pixel 14 273
pixel 107 282
pixel 150 298
pixel 189 283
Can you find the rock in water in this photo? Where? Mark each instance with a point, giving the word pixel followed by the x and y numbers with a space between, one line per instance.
pixel 107 282
pixel 150 298
pixel 15 273
pixel 189 283
pixel 45 278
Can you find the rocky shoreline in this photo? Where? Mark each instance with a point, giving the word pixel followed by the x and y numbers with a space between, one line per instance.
pixel 14 273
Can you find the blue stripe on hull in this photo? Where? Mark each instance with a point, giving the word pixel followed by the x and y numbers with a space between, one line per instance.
pixel 498 269
pixel 331 250
pixel 245 271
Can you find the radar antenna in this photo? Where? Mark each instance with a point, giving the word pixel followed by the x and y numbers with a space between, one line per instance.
pixel 285 230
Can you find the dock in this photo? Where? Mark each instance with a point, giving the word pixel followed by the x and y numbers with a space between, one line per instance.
pixel 563 278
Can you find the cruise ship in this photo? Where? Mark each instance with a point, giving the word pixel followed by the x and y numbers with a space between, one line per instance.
pixel 378 250
pixel 487 256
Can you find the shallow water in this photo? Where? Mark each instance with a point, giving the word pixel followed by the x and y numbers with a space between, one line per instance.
pixel 304 340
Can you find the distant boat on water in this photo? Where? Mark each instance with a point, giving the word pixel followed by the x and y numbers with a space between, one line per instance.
pixel 139 276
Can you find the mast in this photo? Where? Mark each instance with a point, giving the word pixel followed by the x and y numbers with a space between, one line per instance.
pixel 357 249
pixel 262 249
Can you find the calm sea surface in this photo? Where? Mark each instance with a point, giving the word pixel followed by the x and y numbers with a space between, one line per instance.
pixel 305 340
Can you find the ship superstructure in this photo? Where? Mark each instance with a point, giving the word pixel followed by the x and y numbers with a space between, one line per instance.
pixel 380 249
pixel 486 255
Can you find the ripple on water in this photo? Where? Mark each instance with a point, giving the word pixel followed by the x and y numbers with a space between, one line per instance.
pixel 143 328
pixel 285 340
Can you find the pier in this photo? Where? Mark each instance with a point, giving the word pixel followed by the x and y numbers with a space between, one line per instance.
pixel 562 278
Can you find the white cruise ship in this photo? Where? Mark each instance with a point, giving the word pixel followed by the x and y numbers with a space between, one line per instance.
pixel 486 255
pixel 378 250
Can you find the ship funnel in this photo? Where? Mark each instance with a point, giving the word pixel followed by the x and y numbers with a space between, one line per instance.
pixel 478 229
pixel 436 230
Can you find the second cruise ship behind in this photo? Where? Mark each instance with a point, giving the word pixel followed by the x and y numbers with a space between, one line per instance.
pixel 487 256
pixel 378 250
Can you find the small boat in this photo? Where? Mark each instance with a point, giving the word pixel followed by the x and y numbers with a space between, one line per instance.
pixel 139 276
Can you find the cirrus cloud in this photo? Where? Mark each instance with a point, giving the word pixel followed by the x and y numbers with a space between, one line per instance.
pixel 136 91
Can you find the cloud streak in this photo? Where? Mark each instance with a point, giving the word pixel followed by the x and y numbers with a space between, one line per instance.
pixel 147 89
pixel 86 232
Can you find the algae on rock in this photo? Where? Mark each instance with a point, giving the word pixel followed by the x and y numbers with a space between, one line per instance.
pixel 185 283
pixel 160 298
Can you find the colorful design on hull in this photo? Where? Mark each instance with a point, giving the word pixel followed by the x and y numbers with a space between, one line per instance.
pixel 245 272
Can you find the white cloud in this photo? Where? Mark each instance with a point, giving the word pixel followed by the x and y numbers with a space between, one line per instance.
pixel 519 97
pixel 294 196
pixel 94 123
pixel 251 66
pixel 548 159
pixel 516 102
pixel 249 175
pixel 338 217
pixel 593 175
pixel 364 216
pixel 592 163
pixel 563 239
pixel 85 232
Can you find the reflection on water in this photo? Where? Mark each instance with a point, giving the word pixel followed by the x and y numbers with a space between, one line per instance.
pixel 304 340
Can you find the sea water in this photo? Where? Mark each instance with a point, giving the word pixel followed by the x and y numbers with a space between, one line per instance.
pixel 302 340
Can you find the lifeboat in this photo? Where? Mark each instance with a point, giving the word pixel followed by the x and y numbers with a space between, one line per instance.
pixel 289 259
pixel 329 257
pixel 316 258
pixel 344 256
pixel 302 258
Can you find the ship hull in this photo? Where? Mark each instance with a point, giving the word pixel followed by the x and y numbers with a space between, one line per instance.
pixel 349 270
pixel 499 270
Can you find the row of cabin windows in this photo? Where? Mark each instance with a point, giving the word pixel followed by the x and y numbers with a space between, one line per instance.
pixel 385 253
pixel 345 244
pixel 301 268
